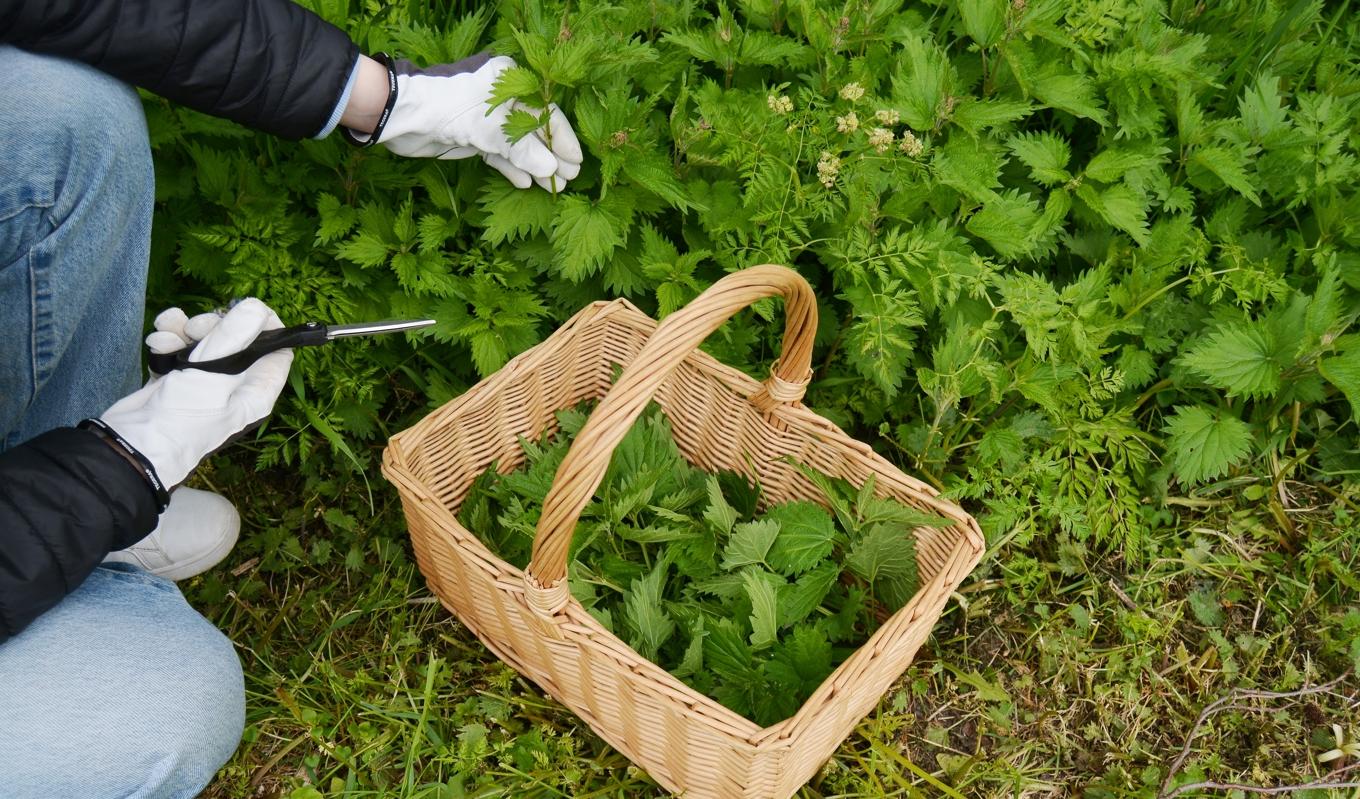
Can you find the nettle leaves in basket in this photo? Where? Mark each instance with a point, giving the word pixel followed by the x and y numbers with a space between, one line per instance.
pixel 752 608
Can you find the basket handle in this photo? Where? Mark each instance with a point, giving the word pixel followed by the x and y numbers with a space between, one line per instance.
pixel 584 466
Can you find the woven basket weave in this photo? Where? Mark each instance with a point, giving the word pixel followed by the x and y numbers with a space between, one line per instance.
pixel 722 420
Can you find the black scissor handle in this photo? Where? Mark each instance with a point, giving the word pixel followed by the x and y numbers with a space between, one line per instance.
pixel 309 335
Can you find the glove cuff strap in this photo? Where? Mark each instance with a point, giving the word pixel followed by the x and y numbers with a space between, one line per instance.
pixel 148 471
pixel 372 138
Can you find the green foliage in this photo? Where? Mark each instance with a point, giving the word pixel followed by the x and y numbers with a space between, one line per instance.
pixel 1104 294
pixel 1076 263
pixel 742 604
pixel 1206 444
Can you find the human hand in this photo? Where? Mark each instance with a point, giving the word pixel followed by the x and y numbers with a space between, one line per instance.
pixel 445 111
pixel 178 419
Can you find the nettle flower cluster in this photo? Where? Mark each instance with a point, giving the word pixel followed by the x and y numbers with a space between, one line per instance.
pixel 883 129
pixel 880 132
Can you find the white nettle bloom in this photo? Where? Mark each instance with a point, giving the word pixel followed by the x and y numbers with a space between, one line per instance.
pixel 780 105
pixel 887 117
pixel 881 139
pixel 848 123
pixel 911 145
pixel 852 92
pixel 828 167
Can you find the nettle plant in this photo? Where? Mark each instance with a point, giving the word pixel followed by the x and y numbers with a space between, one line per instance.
pixel 1066 272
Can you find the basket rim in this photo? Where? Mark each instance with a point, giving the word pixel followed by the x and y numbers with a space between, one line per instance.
pixel 797 414
pixel 965 549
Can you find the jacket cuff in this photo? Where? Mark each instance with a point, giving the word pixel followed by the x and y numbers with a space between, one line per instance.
pixel 105 489
pixel 340 104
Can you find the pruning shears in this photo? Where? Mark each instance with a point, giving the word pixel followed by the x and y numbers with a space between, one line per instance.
pixel 311 334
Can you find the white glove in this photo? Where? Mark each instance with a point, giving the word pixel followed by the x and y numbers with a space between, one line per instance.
pixel 180 418
pixel 175 331
pixel 445 112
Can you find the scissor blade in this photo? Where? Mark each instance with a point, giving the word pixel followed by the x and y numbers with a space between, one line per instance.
pixel 372 328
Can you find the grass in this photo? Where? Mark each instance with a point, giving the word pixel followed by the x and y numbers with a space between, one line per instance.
pixel 1053 673
pixel 1057 670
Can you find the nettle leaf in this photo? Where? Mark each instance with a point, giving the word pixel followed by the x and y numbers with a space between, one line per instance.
pixel 726 586
pixel 768 49
pixel 520 123
pixel 970 167
pixel 692 662
pixel 1262 108
pixel 1343 371
pixel 515 83
pixel 1324 308
pixel 764 609
pixel 336 219
pixel 671 273
pixel 805 536
pixel 881 509
pixel 703 45
pixel 1045 153
pixel 1228 165
pixel 648 623
pixel 1120 206
pixel 976 116
pixel 404 224
pixel 424 273
pixel 535 47
pixel 839 494
pixel 802 662
pixel 749 544
pixel 924 79
pixel 719 513
pixel 489 352
pixel 571 60
pixel 1114 163
pixel 1204 443
pixel 983 20
pixel 1075 94
pixel 726 651
pixel 1241 360
pixel 1008 223
pixel 435 230
pixel 654 173
pixel 1034 304
pixel 585 235
pixel 885 557
pixel 798 599
pixel 513 214
pixel 365 249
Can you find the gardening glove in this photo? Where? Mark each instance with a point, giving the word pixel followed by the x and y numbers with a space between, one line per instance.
pixel 445 111
pixel 176 420
pixel 175 330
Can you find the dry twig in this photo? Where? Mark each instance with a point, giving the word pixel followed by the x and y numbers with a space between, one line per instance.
pixel 1230 702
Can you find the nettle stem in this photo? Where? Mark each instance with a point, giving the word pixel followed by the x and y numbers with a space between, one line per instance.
pixel 546 96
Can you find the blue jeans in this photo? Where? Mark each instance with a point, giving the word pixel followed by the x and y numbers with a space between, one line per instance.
pixel 121 689
pixel 76 193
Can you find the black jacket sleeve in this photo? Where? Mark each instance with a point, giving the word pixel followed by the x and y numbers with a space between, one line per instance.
pixel 67 499
pixel 268 64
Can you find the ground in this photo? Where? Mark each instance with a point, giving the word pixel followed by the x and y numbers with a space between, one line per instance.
pixel 1081 675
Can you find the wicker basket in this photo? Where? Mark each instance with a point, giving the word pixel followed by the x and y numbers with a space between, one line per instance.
pixel 721 419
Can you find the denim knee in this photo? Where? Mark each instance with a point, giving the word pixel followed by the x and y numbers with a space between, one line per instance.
pixel 121 690
pixel 199 713
pixel 95 131
pixel 76 199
